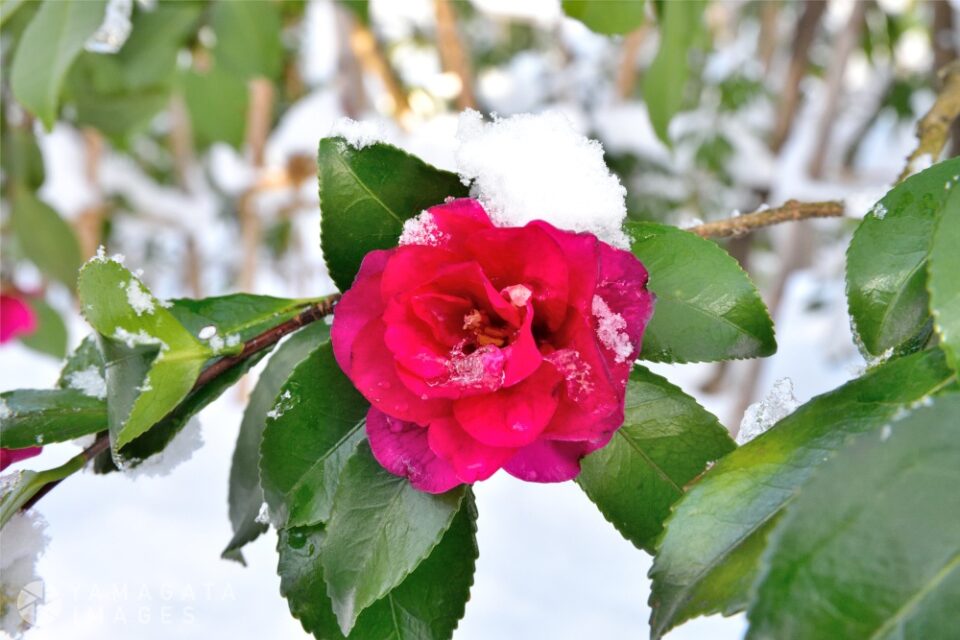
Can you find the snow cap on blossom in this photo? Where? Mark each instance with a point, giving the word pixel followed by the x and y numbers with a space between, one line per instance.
pixel 483 347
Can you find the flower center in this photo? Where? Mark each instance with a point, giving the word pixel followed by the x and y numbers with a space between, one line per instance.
pixel 482 332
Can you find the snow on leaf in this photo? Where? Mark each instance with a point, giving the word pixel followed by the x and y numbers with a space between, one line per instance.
pixel 775 406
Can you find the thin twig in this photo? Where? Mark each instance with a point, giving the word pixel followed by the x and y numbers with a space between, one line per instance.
pixel 256 344
pixel 933 130
pixel 790 210
pixel 453 57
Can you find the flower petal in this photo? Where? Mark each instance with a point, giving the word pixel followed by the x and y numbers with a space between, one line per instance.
pixel 550 461
pixel 16 318
pixel 359 304
pixel 471 460
pixel 514 416
pixel 403 450
pixel 374 374
pixel 10 456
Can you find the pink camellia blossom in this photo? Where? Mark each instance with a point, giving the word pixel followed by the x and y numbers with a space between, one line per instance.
pixel 483 347
pixel 9 456
pixel 16 318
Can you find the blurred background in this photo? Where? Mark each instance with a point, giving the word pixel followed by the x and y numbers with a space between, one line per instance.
pixel 183 135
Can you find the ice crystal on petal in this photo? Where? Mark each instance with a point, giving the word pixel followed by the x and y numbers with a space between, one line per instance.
pixel 422 230
pixel 611 329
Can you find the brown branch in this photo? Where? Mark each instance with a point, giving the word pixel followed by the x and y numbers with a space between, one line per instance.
pixel 365 47
pixel 933 130
pixel 627 71
pixel 790 95
pixel 790 211
pixel 452 55
pixel 268 338
pixel 256 344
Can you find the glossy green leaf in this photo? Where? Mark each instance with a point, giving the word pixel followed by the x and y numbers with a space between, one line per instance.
pixel 707 309
pixel 666 441
pixel 34 417
pixel 50 44
pixel 246 496
pixel 944 282
pixel 379 532
pixel 242 315
pixel 83 358
pixel 248 38
pixel 50 336
pixel 313 428
pixel 152 361
pixel 45 238
pixel 871 546
pixel 725 516
pixel 681 24
pixel 887 260
pixel 610 17
pixel 427 605
pixel 365 196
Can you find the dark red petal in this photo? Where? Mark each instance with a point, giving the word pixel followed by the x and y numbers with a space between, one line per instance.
pixel 403 450
pixel 513 416
pixel 374 374
pixel 359 304
pixel 471 460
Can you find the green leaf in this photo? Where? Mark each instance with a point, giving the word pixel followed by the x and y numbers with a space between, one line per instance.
pixel 240 314
pixel 86 355
pixel 887 260
pixel 666 441
pixel 34 417
pixel 610 17
pixel 246 496
pixel 8 8
pixel 426 605
pixel 359 8
pixel 380 530
pixel 248 38
pixel 681 25
pixel 152 361
pixel 365 196
pixel 46 239
pixel 944 285
pixel 26 484
pixel 871 546
pixel 50 336
pixel 313 428
pixel 710 550
pixel 217 102
pixel 51 42
pixel 707 309
pixel 22 160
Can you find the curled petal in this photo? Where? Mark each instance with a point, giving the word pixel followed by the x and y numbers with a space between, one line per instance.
pixel 472 461
pixel 359 305
pixel 375 376
pixel 514 416
pixel 403 450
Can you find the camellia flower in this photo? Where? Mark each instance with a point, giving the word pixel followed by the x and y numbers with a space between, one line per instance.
pixel 16 318
pixel 483 347
pixel 9 456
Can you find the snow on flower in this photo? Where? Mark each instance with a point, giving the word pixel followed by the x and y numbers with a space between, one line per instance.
pixel 22 541
pixel 612 330
pixel 421 229
pixel 491 347
pixel 88 382
pixel 537 167
pixel 775 406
